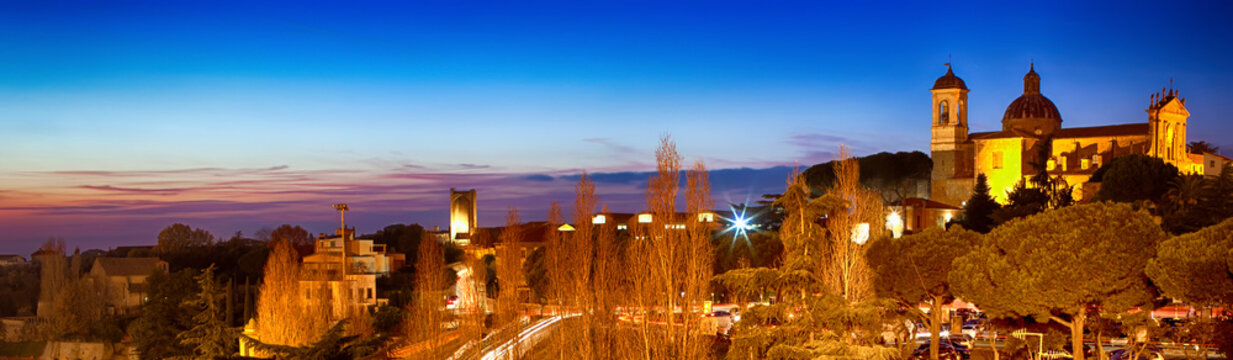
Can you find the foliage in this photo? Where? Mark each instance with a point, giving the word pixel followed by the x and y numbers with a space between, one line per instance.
pixel 165 315
pixel 536 273
pixel 299 238
pixel 915 269
pixel 333 344
pixel 978 210
pixel 759 249
pixel 1202 147
pixel 19 289
pixel 1022 201
pixel 1194 267
pixel 894 175
pixel 179 238
pixel 1057 264
pixel 1133 178
pixel 210 337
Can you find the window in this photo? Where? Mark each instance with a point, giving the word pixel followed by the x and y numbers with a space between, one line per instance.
pixel 1062 159
pixel 706 217
pixel 959 113
pixel 622 226
pixel 599 219
pixel 644 218
pixel 997 159
pixel 1052 164
pixel 942 113
pixel 370 293
pixel 1084 164
pixel 1096 160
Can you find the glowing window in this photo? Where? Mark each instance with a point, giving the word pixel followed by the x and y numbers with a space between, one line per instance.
pixel 1084 164
pixel 644 218
pixel 1051 165
pixel 622 226
pixel 1062 160
pixel 1096 159
pixel 599 219
pixel 706 217
pixel 997 159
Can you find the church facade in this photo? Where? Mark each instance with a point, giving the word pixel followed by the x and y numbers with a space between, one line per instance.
pixel 1031 130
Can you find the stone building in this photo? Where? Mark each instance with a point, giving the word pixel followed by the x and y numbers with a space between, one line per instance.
pixel 124 279
pixel 1032 123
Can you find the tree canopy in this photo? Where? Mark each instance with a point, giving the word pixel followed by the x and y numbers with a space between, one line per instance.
pixel 916 268
pixel 1133 178
pixel 890 173
pixel 1056 264
pixel 179 237
pixel 1195 267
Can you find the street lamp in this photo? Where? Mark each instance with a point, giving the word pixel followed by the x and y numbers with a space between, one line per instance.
pixel 1022 334
pixel 860 233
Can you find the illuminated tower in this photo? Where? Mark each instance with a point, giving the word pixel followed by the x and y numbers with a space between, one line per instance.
pixel 1166 118
pixel 462 216
pixel 950 133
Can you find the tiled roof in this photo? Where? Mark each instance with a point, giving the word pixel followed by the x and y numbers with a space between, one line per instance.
pixel 128 266
pixel 1102 131
pixel 924 203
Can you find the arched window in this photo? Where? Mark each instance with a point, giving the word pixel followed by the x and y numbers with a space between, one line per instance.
pixel 943 113
pixel 959 113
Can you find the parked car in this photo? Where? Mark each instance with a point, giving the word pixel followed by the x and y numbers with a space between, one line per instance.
pixel 1146 354
pixel 946 351
pixel 723 320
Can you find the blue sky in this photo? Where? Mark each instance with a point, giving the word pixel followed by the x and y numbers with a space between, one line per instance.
pixel 173 100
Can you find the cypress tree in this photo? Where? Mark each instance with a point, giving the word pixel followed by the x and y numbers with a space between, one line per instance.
pixel 978 210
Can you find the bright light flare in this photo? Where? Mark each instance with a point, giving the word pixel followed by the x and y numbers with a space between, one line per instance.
pixel 741 224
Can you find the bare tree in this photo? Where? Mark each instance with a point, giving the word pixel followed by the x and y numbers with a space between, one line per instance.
pixel 427 319
pixel 848 230
pixel 509 278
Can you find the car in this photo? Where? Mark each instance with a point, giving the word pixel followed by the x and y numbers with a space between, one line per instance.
pixel 1146 354
pixel 723 320
pixel 973 327
pixel 946 351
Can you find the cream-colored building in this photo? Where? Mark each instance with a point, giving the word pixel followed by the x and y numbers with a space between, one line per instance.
pixel 125 279
pixel 1032 121
pixel 343 271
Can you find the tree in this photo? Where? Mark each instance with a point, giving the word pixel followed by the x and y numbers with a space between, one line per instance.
pixel 1020 202
pixel 1202 147
pixel 165 315
pixel 847 228
pixel 1049 266
pixel 1188 205
pixel 1194 267
pixel 179 238
pixel 978 210
pixel 299 238
pixel 210 337
pixel 280 294
pixel 1133 178
pixel 915 269
pixel 814 321
pixel 425 324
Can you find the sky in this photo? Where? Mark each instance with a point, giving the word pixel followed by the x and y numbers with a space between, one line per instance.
pixel 118 118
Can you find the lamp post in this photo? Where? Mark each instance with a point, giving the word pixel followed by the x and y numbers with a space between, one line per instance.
pixel 1022 334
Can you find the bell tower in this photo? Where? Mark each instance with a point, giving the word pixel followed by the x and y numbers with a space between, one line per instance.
pixel 949 127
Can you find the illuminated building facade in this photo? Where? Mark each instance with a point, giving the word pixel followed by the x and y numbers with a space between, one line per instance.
pixel 1032 122
pixel 463 213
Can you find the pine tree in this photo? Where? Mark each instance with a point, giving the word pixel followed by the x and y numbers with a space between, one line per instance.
pixel 978 210
pixel 210 337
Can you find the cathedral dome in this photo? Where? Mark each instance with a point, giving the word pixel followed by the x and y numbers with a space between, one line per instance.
pixel 949 81
pixel 1032 112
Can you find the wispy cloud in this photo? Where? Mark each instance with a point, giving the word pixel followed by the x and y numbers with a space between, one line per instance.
pixel 104 208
